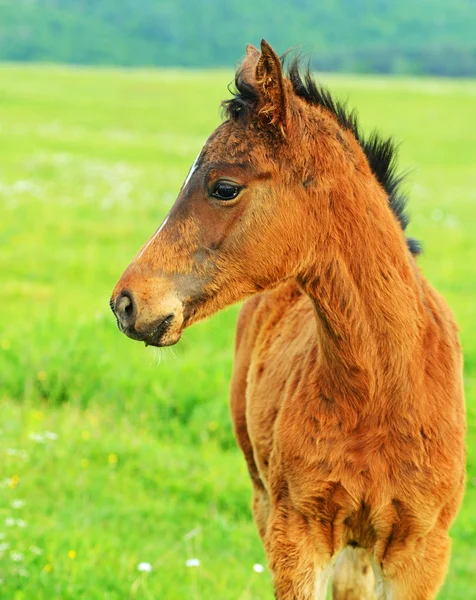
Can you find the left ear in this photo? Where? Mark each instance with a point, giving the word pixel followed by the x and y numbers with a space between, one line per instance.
pixel 270 83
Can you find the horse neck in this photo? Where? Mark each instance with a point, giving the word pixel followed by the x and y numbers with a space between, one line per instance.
pixel 366 291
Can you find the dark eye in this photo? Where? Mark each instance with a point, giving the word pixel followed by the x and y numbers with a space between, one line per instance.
pixel 225 191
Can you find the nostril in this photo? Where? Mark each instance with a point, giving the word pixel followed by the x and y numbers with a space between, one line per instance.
pixel 124 305
pixel 125 308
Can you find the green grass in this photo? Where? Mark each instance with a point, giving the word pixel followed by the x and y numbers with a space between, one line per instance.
pixel 144 467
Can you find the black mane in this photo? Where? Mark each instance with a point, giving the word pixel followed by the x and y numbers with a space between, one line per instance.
pixel 381 152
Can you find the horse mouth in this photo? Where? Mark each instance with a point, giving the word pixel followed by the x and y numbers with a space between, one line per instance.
pixel 159 334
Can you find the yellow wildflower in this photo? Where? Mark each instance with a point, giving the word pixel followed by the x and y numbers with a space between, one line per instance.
pixel 14 481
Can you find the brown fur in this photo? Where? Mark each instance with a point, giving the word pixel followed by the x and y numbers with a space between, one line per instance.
pixel 347 395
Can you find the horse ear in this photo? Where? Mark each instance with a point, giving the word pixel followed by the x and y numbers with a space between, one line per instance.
pixel 270 83
pixel 248 66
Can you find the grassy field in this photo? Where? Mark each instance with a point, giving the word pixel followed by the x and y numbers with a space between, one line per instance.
pixel 111 454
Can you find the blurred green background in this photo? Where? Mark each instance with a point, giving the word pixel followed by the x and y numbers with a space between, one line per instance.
pixel 382 36
pixel 115 455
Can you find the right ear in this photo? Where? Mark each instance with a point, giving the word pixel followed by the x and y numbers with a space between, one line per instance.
pixel 262 71
pixel 270 83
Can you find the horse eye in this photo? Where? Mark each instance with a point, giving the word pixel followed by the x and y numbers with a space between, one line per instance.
pixel 225 191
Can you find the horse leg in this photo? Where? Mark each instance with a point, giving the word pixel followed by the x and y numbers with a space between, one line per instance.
pixel 353 576
pixel 300 571
pixel 419 576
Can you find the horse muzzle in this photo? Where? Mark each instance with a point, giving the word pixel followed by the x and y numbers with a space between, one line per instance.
pixel 137 318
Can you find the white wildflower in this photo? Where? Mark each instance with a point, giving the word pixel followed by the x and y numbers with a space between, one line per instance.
pixel 21 523
pixel 35 550
pixel 22 572
pixel 9 522
pixel 50 435
pixel 192 562
pixel 37 437
pixel 4 546
pixel 145 567
pixel 16 556
pixel 22 186
pixel 257 568
pixel 15 452
pixel 18 504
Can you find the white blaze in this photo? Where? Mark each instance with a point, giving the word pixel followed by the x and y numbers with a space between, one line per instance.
pixel 193 168
pixel 154 236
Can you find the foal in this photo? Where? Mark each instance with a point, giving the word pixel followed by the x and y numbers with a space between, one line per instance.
pixel 347 392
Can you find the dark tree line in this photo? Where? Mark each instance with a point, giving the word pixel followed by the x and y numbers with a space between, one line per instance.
pixel 435 37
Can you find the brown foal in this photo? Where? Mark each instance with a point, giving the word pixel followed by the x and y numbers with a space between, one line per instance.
pixel 347 394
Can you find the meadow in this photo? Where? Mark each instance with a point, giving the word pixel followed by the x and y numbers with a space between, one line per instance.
pixel 113 455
